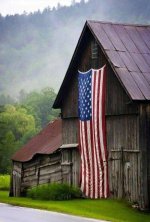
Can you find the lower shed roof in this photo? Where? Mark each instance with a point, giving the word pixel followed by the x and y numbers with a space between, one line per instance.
pixel 46 142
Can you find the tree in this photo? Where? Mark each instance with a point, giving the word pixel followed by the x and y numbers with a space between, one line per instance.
pixel 16 127
pixel 39 104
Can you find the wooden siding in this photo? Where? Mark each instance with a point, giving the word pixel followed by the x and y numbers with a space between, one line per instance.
pixel 16 178
pixel 59 167
pixel 148 147
pixel 124 156
pixel 70 107
pixel 144 142
pixel 71 166
pixel 70 131
pixel 41 170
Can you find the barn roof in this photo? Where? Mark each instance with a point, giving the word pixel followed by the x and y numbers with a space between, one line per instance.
pixel 127 49
pixel 46 142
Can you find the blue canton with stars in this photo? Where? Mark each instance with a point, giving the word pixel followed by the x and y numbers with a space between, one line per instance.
pixel 84 100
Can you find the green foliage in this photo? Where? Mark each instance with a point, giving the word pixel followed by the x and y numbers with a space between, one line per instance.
pixel 39 104
pixel 16 127
pixel 20 122
pixel 4 182
pixel 54 192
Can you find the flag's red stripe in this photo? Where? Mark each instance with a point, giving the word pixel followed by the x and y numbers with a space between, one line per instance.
pixel 93 154
pixel 89 147
pixel 101 185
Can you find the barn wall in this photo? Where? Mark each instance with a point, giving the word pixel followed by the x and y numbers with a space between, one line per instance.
pixel 148 149
pixel 144 142
pixel 59 167
pixel 124 156
pixel 122 126
pixel 122 122
pixel 69 130
pixel 41 170
pixel 70 166
pixel 16 179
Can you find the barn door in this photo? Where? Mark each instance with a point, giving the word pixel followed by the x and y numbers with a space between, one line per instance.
pixel 16 179
pixel 131 164
pixel 124 171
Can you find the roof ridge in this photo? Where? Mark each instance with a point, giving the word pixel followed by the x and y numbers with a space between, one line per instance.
pixel 118 23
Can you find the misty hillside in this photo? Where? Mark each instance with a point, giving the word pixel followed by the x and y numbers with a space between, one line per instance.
pixel 35 49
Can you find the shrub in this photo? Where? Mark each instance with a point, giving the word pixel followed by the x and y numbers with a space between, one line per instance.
pixel 54 192
pixel 4 182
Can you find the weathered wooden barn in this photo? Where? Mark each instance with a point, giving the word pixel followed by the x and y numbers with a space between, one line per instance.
pixel 44 160
pixel 125 49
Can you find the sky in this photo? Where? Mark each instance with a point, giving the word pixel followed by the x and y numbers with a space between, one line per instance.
pixel 12 7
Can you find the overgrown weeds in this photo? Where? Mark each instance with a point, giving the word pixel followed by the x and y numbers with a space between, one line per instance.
pixel 54 192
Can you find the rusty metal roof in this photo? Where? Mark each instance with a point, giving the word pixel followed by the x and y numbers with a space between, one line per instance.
pixel 127 48
pixel 46 142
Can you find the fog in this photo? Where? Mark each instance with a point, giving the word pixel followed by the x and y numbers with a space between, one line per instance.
pixel 36 48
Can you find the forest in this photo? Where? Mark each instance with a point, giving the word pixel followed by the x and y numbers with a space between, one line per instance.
pixel 35 51
pixel 21 120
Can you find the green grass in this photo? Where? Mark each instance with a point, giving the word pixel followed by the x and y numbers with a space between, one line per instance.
pixel 112 210
pixel 4 182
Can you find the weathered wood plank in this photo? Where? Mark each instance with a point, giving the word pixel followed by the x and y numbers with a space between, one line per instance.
pixel 144 202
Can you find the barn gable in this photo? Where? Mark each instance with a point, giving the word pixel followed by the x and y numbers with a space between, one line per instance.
pixel 127 49
pixel 121 48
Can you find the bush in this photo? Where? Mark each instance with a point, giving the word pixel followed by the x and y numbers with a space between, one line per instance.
pixel 54 192
pixel 4 182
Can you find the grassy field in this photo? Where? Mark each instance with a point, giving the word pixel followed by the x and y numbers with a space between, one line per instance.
pixel 112 210
pixel 4 182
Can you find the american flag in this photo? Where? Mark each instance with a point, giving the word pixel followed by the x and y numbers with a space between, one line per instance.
pixel 91 108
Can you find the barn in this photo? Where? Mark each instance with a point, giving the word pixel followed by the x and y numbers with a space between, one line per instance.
pixel 44 160
pixel 125 50
pixel 53 155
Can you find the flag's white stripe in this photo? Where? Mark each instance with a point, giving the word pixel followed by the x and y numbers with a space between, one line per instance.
pixel 98 136
pixel 94 128
pixel 96 114
pixel 94 153
pixel 101 132
pixel 90 158
pixel 86 158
